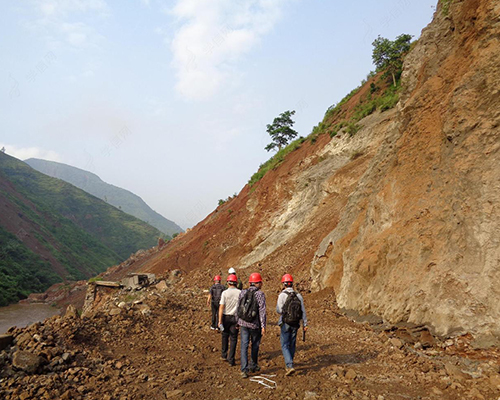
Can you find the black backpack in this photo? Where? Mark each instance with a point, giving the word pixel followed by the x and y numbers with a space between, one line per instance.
pixel 248 307
pixel 292 310
pixel 217 292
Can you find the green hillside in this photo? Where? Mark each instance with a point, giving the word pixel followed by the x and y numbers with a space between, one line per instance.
pixel 52 231
pixel 118 197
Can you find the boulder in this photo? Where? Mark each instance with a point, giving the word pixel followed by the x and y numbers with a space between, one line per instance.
pixel 71 312
pixel 26 361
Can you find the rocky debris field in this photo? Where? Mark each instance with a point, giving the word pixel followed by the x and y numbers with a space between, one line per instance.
pixel 157 345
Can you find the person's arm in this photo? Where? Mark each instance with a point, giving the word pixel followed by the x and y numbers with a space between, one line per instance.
pixel 280 303
pixel 221 309
pixel 262 311
pixel 209 298
pixel 304 316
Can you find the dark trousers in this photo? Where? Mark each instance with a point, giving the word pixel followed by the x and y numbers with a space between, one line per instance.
pixel 229 336
pixel 215 314
pixel 255 335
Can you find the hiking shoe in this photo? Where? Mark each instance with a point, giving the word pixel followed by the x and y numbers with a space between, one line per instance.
pixel 224 358
pixel 244 374
pixel 289 371
pixel 232 363
pixel 212 328
pixel 255 369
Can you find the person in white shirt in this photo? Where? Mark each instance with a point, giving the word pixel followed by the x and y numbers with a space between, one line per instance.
pixel 228 319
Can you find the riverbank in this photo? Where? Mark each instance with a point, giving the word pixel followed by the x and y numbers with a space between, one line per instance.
pixel 22 315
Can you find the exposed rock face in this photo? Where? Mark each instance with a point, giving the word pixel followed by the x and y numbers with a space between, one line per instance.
pixel 419 239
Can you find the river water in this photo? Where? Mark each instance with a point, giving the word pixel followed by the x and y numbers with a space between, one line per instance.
pixel 22 315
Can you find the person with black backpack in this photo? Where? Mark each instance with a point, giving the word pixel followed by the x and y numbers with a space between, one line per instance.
pixel 213 300
pixel 291 307
pixel 252 322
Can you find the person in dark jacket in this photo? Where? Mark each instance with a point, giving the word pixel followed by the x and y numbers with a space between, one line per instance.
pixel 213 300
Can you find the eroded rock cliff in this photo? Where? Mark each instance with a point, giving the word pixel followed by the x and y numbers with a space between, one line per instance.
pixel 419 239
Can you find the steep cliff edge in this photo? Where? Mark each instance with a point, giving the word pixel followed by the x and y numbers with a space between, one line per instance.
pixel 401 219
pixel 419 238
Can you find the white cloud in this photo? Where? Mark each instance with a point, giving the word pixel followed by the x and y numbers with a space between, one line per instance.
pixel 62 8
pixel 23 153
pixel 212 37
pixel 52 22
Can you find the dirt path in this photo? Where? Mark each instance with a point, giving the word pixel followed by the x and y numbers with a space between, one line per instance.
pixel 162 347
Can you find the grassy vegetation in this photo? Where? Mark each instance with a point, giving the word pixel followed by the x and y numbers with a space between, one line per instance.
pixel 21 271
pixel 446 6
pixel 274 161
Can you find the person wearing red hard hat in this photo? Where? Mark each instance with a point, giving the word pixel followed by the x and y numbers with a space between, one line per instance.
pixel 228 319
pixel 291 308
pixel 252 322
pixel 232 271
pixel 213 299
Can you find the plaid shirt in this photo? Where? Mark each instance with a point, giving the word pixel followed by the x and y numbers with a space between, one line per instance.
pixel 261 299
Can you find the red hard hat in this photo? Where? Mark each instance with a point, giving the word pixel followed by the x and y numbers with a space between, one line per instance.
pixel 287 278
pixel 232 278
pixel 255 277
pixel 217 278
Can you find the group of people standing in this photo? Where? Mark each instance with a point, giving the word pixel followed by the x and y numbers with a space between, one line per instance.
pixel 235 310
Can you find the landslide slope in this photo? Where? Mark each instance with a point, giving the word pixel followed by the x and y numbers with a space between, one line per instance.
pixel 118 197
pixel 52 231
pixel 400 218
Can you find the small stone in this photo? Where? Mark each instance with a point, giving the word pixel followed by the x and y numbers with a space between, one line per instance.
pixel 114 311
pixel 310 395
pixel 173 393
pixel 426 368
pixel 495 381
pixel 476 394
pixel 118 365
pixel 351 375
pixel 427 339
pixel 65 357
pixel 396 343
pixel 122 304
pixel 437 391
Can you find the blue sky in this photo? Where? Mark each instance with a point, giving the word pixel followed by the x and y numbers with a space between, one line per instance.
pixel 170 99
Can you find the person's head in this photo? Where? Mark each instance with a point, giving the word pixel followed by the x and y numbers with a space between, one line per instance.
pixel 231 271
pixel 232 280
pixel 217 279
pixel 287 280
pixel 255 279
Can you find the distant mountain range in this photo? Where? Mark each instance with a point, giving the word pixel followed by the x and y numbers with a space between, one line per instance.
pixel 118 197
pixel 52 231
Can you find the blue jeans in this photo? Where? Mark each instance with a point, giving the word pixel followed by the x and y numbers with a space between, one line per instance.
pixel 254 335
pixel 288 339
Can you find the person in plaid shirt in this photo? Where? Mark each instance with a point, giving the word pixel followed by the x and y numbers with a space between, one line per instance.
pixel 252 331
